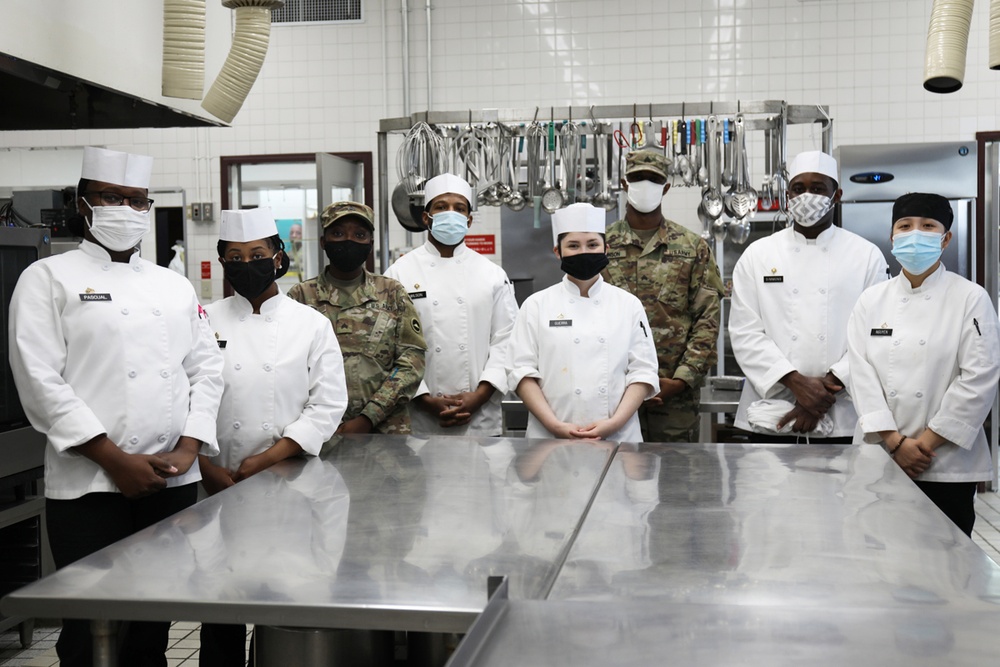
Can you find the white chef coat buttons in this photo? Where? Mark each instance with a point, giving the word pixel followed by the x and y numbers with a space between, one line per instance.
pixel 106 267
pixel 892 394
pixel 798 250
pixel 461 300
pixel 124 311
pixel 795 290
pixel 601 338
pixel 268 368
pixel 137 268
pixel 156 311
pixel 134 440
pixel 578 391
pixel 437 349
pixel 164 374
pixel 435 302
pixel 238 366
pixel 597 302
pixel 927 297
pixel 822 290
pixel 433 263
pixel 794 337
pixel 923 342
pixel 822 336
pixel 243 318
pixel 268 318
pixel 576 340
pixel 602 389
pixel 920 394
pixel 895 342
pixel 162 438
pixel 236 425
pixel 266 426
pixel 462 346
pixel 132 374
pixel 906 299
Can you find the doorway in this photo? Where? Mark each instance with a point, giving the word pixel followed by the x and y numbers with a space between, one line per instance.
pixel 169 231
pixel 297 187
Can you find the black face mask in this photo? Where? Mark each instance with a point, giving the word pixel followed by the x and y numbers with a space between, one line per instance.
pixel 347 256
pixel 585 265
pixel 250 279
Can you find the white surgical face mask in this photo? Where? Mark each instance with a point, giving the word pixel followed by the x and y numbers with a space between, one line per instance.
pixel 808 208
pixel 645 196
pixel 118 228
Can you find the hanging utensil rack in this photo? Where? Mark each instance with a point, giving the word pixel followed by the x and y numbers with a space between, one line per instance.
pixel 680 129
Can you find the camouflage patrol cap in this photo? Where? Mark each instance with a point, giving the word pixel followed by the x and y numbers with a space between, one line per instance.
pixel 647 160
pixel 339 210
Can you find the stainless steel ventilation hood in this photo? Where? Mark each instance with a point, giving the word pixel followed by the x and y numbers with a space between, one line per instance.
pixel 39 98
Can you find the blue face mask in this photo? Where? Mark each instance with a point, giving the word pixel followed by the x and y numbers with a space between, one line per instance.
pixel 449 227
pixel 917 251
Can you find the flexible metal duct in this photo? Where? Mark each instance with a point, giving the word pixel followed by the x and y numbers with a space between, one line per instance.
pixel 183 49
pixel 246 57
pixel 995 34
pixel 947 44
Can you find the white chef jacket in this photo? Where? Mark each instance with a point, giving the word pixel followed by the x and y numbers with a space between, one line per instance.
pixel 107 347
pixel 927 357
pixel 791 301
pixel 467 308
pixel 584 352
pixel 284 376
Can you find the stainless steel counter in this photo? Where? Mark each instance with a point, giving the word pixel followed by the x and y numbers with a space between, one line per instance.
pixel 804 525
pixel 380 532
pixel 730 554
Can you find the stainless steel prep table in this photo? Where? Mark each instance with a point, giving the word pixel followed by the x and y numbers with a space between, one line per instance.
pixel 378 533
pixel 756 554
pixel 829 525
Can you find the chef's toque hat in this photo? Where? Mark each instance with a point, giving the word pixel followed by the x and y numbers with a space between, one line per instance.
pixel 579 217
pixel 249 225
pixel 813 162
pixel 444 184
pixel 117 168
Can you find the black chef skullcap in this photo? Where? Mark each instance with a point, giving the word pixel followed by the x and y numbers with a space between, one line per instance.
pixel 923 205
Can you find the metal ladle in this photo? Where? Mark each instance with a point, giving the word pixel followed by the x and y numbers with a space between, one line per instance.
pixel 711 196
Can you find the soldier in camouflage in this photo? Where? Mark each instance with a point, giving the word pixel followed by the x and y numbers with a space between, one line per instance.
pixel 672 271
pixel 375 322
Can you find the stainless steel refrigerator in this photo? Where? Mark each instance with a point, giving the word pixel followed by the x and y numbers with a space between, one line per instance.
pixel 873 176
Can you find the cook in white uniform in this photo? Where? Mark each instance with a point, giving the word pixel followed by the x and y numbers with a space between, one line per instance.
pixel 925 361
pixel 115 363
pixel 581 356
pixel 285 391
pixel 467 309
pixel 793 292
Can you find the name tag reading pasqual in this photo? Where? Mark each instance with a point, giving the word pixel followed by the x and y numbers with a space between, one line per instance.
pixel 560 323
pixel 774 279
pixel 881 332
pixel 95 296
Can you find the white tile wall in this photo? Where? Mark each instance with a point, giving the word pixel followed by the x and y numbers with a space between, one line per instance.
pixel 322 86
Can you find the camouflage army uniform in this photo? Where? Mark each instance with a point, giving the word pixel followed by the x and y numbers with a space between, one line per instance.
pixel 677 280
pixel 379 335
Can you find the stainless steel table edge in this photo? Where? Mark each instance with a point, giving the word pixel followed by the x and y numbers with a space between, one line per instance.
pixel 352 618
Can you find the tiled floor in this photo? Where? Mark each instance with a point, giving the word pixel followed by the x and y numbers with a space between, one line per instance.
pixel 183 647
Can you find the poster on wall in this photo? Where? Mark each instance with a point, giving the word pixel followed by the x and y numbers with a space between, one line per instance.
pixel 290 231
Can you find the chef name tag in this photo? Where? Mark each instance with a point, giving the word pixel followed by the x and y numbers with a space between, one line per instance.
pixel 774 279
pixel 560 323
pixel 418 295
pixel 881 332
pixel 222 344
pixel 95 296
